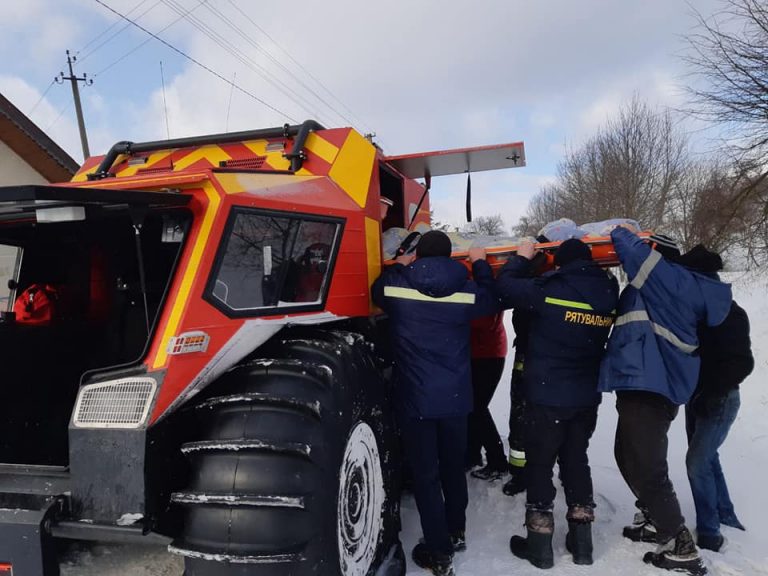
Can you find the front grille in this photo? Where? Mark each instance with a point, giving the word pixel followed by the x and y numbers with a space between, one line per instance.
pixel 121 403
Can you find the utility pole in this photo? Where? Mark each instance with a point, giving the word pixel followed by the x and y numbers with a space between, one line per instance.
pixel 76 95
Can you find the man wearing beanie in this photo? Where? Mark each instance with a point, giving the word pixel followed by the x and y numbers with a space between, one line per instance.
pixel 652 364
pixel 571 312
pixel 430 301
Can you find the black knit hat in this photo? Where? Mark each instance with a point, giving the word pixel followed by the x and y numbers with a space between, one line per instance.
pixel 433 243
pixel 572 250
pixel 665 245
pixel 702 260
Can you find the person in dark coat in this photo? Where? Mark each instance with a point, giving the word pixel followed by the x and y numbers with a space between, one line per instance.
pixel 430 302
pixel 571 312
pixel 488 352
pixel 652 365
pixel 521 322
pixel 726 360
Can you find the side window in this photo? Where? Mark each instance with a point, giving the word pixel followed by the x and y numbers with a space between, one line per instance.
pixel 272 260
pixel 10 262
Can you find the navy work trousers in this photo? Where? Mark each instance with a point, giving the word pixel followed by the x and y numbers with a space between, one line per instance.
pixel 558 434
pixel 435 449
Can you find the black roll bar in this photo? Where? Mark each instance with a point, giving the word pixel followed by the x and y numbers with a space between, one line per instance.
pixel 296 155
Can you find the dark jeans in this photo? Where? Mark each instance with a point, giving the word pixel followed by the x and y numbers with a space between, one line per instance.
pixel 517 415
pixel 641 454
pixel 563 433
pixel 707 424
pixel 435 449
pixel 486 373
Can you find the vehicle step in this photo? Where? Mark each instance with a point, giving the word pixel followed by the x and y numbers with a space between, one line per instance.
pixel 27 479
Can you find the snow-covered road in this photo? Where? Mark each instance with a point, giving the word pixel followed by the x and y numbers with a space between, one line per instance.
pixel 493 517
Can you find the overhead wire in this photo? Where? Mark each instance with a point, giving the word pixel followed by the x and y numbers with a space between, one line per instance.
pixel 41 97
pixel 108 28
pixel 297 63
pixel 118 32
pixel 198 63
pixel 140 45
pixel 244 59
pixel 240 32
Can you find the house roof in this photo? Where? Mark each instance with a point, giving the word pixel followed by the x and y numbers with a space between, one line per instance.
pixel 24 137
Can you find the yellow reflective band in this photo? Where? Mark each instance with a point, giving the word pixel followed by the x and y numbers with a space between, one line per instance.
pixel 567 303
pixel 518 366
pixel 411 294
pixel 517 462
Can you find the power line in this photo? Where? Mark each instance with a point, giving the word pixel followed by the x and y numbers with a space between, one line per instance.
pixel 120 31
pixel 296 62
pixel 140 45
pixel 106 30
pixel 201 65
pixel 244 59
pixel 216 12
pixel 41 98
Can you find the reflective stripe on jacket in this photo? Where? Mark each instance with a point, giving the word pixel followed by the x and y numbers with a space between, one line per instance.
pixel 654 343
pixel 570 312
pixel 430 305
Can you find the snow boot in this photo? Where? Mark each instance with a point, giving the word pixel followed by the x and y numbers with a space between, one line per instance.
pixel 516 484
pixel 537 546
pixel 710 541
pixel 641 530
pixel 678 555
pixel 489 473
pixel 459 541
pixel 578 541
pixel 438 564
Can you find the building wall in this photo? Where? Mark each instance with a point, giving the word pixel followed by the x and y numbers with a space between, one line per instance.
pixel 14 170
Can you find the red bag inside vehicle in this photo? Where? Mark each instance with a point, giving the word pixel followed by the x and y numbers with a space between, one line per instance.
pixel 36 305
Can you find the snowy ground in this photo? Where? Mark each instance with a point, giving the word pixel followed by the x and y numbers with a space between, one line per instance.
pixel 494 517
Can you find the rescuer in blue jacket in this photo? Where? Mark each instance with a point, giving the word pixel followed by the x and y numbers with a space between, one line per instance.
pixel 430 302
pixel 571 311
pixel 653 365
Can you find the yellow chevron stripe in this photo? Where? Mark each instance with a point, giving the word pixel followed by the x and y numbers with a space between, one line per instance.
pixel 274 159
pixel 373 248
pixel 153 159
pixel 321 147
pixel 213 154
pixel 353 167
pixel 189 275
pixel 411 294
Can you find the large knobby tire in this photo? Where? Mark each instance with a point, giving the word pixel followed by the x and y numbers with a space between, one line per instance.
pixel 294 466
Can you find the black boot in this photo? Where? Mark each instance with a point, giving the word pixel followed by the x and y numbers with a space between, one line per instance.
pixel 578 541
pixel 438 564
pixel 641 530
pixel 678 555
pixel 516 484
pixel 537 547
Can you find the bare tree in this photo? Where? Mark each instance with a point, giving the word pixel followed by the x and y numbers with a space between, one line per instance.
pixel 628 169
pixel 729 54
pixel 486 225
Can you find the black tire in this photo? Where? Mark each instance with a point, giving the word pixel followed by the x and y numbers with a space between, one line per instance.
pixel 295 468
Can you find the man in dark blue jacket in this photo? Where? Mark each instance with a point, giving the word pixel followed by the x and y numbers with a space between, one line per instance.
pixel 430 303
pixel 571 311
pixel 653 365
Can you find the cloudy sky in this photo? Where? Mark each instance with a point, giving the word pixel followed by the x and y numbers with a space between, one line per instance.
pixel 421 74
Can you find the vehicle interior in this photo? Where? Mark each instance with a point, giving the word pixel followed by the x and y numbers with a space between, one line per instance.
pixel 88 272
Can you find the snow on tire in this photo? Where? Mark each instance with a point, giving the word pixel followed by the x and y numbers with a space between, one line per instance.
pixel 360 502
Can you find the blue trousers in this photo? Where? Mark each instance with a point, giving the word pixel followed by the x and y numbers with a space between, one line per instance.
pixel 435 449
pixel 707 424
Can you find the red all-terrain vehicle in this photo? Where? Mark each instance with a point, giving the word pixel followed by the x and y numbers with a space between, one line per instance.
pixel 191 353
